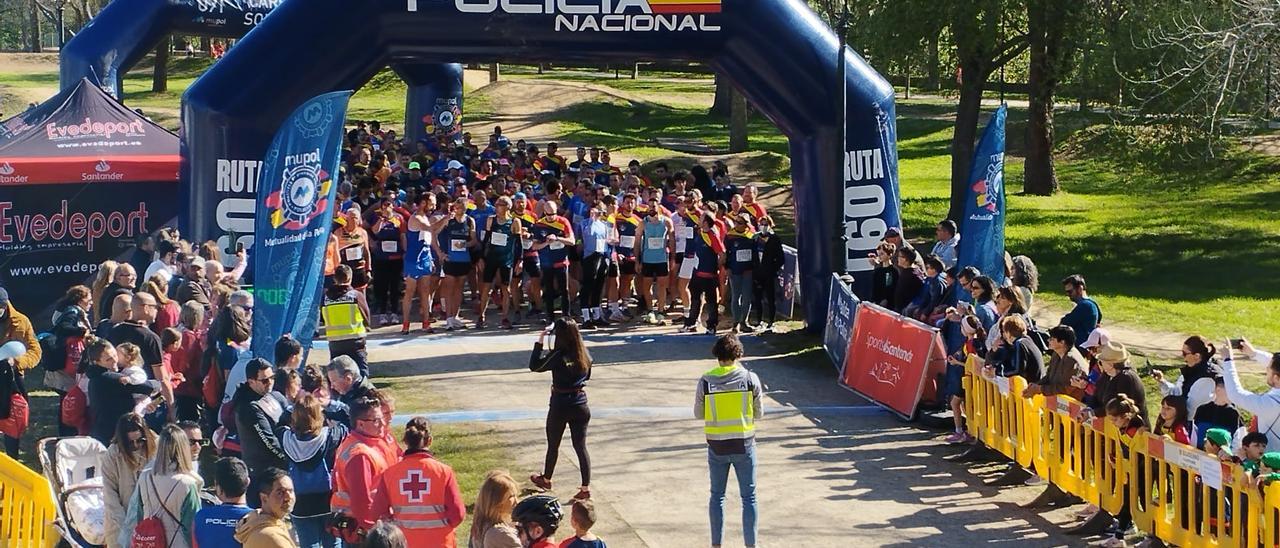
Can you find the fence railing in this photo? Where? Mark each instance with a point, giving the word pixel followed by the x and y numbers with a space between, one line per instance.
pixel 1174 492
pixel 27 509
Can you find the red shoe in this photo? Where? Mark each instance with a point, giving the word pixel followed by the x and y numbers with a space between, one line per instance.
pixel 404 328
pixel 584 493
pixel 542 482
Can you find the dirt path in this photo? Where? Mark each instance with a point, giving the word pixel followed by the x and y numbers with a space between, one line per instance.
pixel 831 469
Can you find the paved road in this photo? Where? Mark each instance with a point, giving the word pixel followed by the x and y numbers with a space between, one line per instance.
pixel 831 471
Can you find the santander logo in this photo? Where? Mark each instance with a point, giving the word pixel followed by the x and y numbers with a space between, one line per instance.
pixel 103 173
pixel 102 166
pixel 8 174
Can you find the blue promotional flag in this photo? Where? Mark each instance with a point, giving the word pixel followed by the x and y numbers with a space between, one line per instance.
pixel 982 227
pixel 296 193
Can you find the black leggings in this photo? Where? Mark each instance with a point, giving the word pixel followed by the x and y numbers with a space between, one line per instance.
pixel 697 288
pixel 386 285
pixel 765 293
pixel 593 272
pixel 555 282
pixel 576 418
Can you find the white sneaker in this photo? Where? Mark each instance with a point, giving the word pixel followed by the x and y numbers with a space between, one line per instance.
pixel 1087 511
pixel 1034 481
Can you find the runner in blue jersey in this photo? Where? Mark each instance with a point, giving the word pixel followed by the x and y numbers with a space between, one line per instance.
pixel 420 265
pixel 458 236
pixel 657 241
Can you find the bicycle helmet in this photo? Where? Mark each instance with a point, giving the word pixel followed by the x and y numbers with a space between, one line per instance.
pixel 543 510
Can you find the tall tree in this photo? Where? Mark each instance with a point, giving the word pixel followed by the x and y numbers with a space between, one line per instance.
pixel 160 73
pixel 721 105
pixel 1049 24
pixel 738 122
pixel 986 37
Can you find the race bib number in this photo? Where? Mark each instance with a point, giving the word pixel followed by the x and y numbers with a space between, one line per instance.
pixel 600 246
pixel 499 239
pixel 480 235
pixel 743 255
pixel 390 246
pixel 686 232
pixel 657 243
pixel 353 253
pixel 687 267
pixel 627 242
pixel 526 244
pixel 556 246
pixel 424 236
pixel 457 245
pixel 680 243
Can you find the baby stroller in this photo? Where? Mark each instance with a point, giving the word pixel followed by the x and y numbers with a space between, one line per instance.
pixel 71 466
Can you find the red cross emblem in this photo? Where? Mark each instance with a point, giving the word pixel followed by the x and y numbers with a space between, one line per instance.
pixel 415 487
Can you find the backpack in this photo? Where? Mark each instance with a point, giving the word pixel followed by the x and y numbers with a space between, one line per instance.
pixel 212 387
pixel 313 476
pixel 1037 335
pixel 52 356
pixel 150 532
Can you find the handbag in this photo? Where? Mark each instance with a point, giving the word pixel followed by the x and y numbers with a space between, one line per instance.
pixel 19 417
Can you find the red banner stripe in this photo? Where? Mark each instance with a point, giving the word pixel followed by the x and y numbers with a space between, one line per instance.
pixel 88 169
pixel 685 8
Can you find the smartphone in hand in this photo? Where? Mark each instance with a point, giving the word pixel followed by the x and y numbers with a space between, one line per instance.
pixel 1237 344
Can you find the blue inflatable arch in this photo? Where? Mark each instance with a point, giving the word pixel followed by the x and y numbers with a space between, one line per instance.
pixel 126 30
pixel 781 56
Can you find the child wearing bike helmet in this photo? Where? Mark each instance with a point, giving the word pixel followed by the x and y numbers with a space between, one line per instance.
pixel 537 518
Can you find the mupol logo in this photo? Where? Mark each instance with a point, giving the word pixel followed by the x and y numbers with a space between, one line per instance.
pixel 605 15
pixel 989 188
pixel 303 194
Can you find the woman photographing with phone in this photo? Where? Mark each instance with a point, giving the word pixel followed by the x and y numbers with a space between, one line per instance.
pixel 570 367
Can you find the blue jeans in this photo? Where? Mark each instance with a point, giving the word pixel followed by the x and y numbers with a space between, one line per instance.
pixel 744 466
pixel 311 533
pixel 740 296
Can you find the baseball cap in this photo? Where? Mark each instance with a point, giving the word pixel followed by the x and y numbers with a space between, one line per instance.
pixel 519 196
pixel 454 164
pixel 197 261
pixel 504 162
pixel 1221 438
pixel 1271 460
pixel 1099 337
pixel 892 232
pixel 415 165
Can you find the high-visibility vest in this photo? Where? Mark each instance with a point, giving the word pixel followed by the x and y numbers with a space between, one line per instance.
pixel 342 317
pixel 416 490
pixel 728 409
pixel 351 447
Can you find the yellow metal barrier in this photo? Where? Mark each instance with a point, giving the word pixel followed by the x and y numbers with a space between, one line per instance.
pixel 27 510
pixel 1174 492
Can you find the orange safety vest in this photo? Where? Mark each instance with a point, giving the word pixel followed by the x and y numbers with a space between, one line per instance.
pixel 347 450
pixel 416 489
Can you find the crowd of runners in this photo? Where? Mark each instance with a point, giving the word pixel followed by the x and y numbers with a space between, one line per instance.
pixel 493 235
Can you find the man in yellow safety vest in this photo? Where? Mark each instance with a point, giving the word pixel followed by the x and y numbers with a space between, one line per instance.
pixel 729 402
pixel 346 319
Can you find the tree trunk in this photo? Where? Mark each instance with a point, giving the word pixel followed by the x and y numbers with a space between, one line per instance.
pixel 635 71
pixel 204 45
pixel 962 142
pixel 1044 35
pixel 934 78
pixel 33 29
pixel 160 74
pixel 721 105
pixel 738 123
pixel 494 72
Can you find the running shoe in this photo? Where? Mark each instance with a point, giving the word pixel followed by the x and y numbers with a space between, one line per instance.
pixel 479 323
pixel 746 328
pixel 541 481
pixel 584 493
pixel 587 326
pixel 617 317
pixel 404 328
pixel 957 437
pixel 506 324
pixel 1087 511
pixel 710 331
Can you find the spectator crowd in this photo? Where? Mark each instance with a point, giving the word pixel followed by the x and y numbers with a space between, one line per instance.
pixel 158 366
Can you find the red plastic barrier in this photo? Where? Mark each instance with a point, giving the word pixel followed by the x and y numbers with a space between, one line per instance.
pixel 892 360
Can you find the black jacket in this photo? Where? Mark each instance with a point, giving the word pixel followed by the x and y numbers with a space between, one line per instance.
pixel 1125 382
pixel 770 257
pixel 258 422
pixel 567 385
pixel 362 389
pixel 109 295
pixel 110 400
pixel 1021 358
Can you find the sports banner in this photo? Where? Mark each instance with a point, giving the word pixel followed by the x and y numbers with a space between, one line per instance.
pixel 295 202
pixel 982 227
pixel 840 313
pixel 891 358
